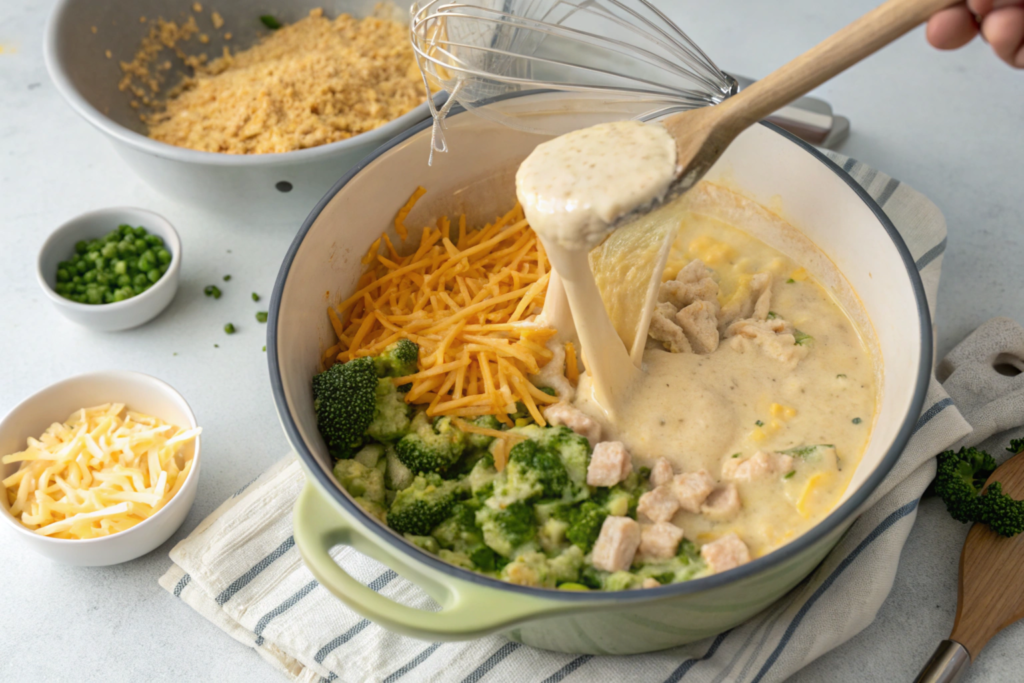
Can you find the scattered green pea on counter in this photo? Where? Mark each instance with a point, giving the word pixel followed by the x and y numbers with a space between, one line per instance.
pixel 122 264
pixel 261 316
pixel 229 328
pixel 212 290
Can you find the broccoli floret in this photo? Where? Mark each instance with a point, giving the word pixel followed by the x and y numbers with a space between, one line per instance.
pixel 460 533
pixel 622 581
pixel 1016 446
pixel 572 449
pixel 344 400
pixel 360 481
pixel 533 471
pixel 398 359
pixel 959 478
pixel 390 413
pixel 585 525
pixel 369 455
pixel 507 529
pixel 428 543
pixel 458 559
pixel 1003 514
pixel 481 477
pixel 566 566
pixel 537 569
pixel 482 441
pixel 619 500
pixel 423 505
pixel 431 448
pixel 396 475
pixel 686 565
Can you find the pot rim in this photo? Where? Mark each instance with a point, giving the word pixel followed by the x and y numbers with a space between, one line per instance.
pixel 802 543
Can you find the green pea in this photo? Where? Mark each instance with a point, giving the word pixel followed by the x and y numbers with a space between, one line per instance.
pixel 112 237
pixel 138 289
pixel 100 263
pixel 94 296
pixel 140 244
pixel 66 265
pixel 62 275
pixel 124 248
pixel 119 295
pixel 163 256
pixel 145 263
pixel 153 275
pixel 126 230
pixel 109 250
pixel 90 276
pixel 108 297
pixel 81 246
pixel 123 280
pixel 140 280
pixel 92 255
pixel 255 296
pixel 95 245
pixel 132 264
pixel 261 316
pixel 120 267
pixel 81 267
pixel 229 328
pixel 127 292
pixel 103 279
pixel 154 240
pixel 162 268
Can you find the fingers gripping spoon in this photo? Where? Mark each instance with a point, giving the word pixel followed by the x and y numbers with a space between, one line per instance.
pixel 990 595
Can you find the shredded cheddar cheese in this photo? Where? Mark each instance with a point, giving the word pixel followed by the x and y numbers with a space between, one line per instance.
pixel 466 296
pixel 102 471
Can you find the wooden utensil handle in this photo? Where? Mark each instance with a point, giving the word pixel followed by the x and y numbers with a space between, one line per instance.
pixel 843 49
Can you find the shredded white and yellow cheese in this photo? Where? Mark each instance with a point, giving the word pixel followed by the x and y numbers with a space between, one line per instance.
pixel 104 470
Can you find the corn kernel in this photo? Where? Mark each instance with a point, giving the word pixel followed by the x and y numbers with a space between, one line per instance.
pixel 758 435
pixel 776 410
pixel 800 274
pixel 775 425
pixel 788 413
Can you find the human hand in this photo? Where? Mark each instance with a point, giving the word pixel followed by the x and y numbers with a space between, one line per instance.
pixel 1001 23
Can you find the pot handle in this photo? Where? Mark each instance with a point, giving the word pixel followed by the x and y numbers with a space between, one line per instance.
pixel 468 610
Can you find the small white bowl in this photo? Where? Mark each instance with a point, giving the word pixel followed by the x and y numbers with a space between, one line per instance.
pixel 137 391
pixel 120 315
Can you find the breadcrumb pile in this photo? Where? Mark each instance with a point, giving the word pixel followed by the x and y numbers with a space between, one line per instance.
pixel 306 84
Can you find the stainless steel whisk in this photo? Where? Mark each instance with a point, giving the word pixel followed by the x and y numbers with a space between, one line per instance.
pixel 608 50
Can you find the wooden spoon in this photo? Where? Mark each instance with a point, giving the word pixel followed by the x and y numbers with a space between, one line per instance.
pixel 703 134
pixel 991 592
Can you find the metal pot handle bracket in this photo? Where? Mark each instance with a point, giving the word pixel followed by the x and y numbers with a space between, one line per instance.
pixel 468 610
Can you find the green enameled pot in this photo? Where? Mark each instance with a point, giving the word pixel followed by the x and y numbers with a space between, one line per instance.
pixel 476 177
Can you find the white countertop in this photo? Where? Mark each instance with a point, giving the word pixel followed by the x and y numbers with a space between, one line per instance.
pixel 948 124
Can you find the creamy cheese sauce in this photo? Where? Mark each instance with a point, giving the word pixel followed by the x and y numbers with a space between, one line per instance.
pixel 713 410
pixel 699 410
pixel 573 187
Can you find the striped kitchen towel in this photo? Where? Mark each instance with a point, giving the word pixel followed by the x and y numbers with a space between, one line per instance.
pixel 241 570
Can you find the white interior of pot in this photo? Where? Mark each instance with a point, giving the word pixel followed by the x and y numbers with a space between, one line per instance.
pixel 477 177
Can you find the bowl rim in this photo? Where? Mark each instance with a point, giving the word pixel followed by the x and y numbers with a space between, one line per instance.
pixel 159 385
pixel 147 145
pixel 778 556
pixel 168 279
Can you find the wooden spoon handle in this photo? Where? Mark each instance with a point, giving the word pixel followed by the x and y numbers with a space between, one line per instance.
pixel 841 50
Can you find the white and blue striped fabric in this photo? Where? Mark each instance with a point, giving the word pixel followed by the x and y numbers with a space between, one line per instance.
pixel 240 568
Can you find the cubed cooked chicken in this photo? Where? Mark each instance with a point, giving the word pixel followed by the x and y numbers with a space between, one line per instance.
pixel 609 464
pixel 563 413
pixel 694 282
pixel 664 329
pixel 758 466
pixel 699 322
pixel 662 472
pixel 726 553
pixel 616 544
pixel 691 489
pixel 659 504
pixel 659 541
pixel 723 503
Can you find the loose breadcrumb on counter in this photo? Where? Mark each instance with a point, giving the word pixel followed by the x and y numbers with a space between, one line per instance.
pixel 307 84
